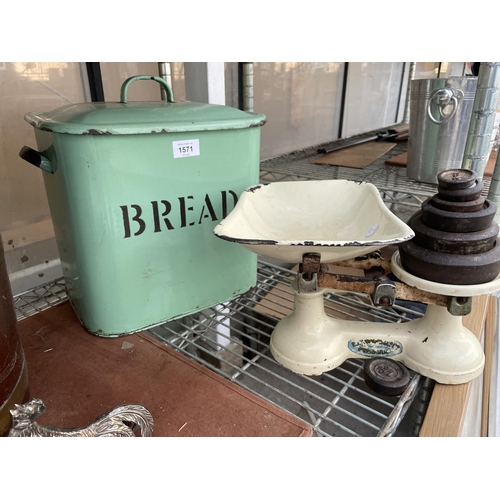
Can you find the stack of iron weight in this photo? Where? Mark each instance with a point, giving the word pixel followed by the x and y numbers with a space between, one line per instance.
pixel 456 239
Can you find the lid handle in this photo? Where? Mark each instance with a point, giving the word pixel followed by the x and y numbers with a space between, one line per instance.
pixel 126 83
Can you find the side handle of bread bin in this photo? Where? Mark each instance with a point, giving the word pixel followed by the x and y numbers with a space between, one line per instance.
pixel 35 158
pixel 163 83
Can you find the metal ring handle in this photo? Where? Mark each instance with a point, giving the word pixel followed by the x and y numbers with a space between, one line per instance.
pixel 163 83
pixel 448 117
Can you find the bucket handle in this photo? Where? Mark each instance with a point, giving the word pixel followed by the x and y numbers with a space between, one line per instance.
pixel 163 83
pixel 35 158
pixel 442 98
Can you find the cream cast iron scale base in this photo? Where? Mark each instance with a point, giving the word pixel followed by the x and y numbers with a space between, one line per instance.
pixel 437 345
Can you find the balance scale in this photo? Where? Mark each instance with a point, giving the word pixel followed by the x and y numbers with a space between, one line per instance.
pixel 312 223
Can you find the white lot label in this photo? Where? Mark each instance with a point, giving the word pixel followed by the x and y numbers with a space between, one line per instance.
pixel 186 148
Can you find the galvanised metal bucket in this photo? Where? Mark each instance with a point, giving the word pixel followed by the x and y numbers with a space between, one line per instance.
pixel 440 113
pixel 135 190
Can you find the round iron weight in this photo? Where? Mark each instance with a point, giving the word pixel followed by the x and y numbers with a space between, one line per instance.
pixel 386 376
pixel 467 194
pixel 456 178
pixel 454 243
pixel 457 206
pixel 448 268
pixel 458 222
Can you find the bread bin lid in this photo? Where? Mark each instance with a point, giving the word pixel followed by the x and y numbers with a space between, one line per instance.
pixel 142 117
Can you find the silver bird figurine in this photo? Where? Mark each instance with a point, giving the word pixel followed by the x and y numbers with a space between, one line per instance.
pixel 122 421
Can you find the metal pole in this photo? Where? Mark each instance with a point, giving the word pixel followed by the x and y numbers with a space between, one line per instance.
pixel 483 118
pixel 247 86
pixel 411 76
pixel 343 99
pixel 165 72
pixel 95 81
pixel 494 191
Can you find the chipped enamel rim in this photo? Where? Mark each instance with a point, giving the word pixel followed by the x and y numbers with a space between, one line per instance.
pixel 237 223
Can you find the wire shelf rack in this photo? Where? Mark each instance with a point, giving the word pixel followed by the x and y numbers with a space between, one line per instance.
pixel 397 189
pixel 40 298
pixel 232 339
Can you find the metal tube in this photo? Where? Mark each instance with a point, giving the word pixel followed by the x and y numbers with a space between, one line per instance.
pixel 165 72
pixel 411 76
pixel 494 393
pixel 483 118
pixel 248 86
pixel 95 81
pixel 343 99
pixel 494 191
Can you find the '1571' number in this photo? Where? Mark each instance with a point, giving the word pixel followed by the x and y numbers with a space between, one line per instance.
pixel 190 147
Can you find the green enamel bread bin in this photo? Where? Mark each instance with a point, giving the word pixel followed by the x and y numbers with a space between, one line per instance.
pixel 135 190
